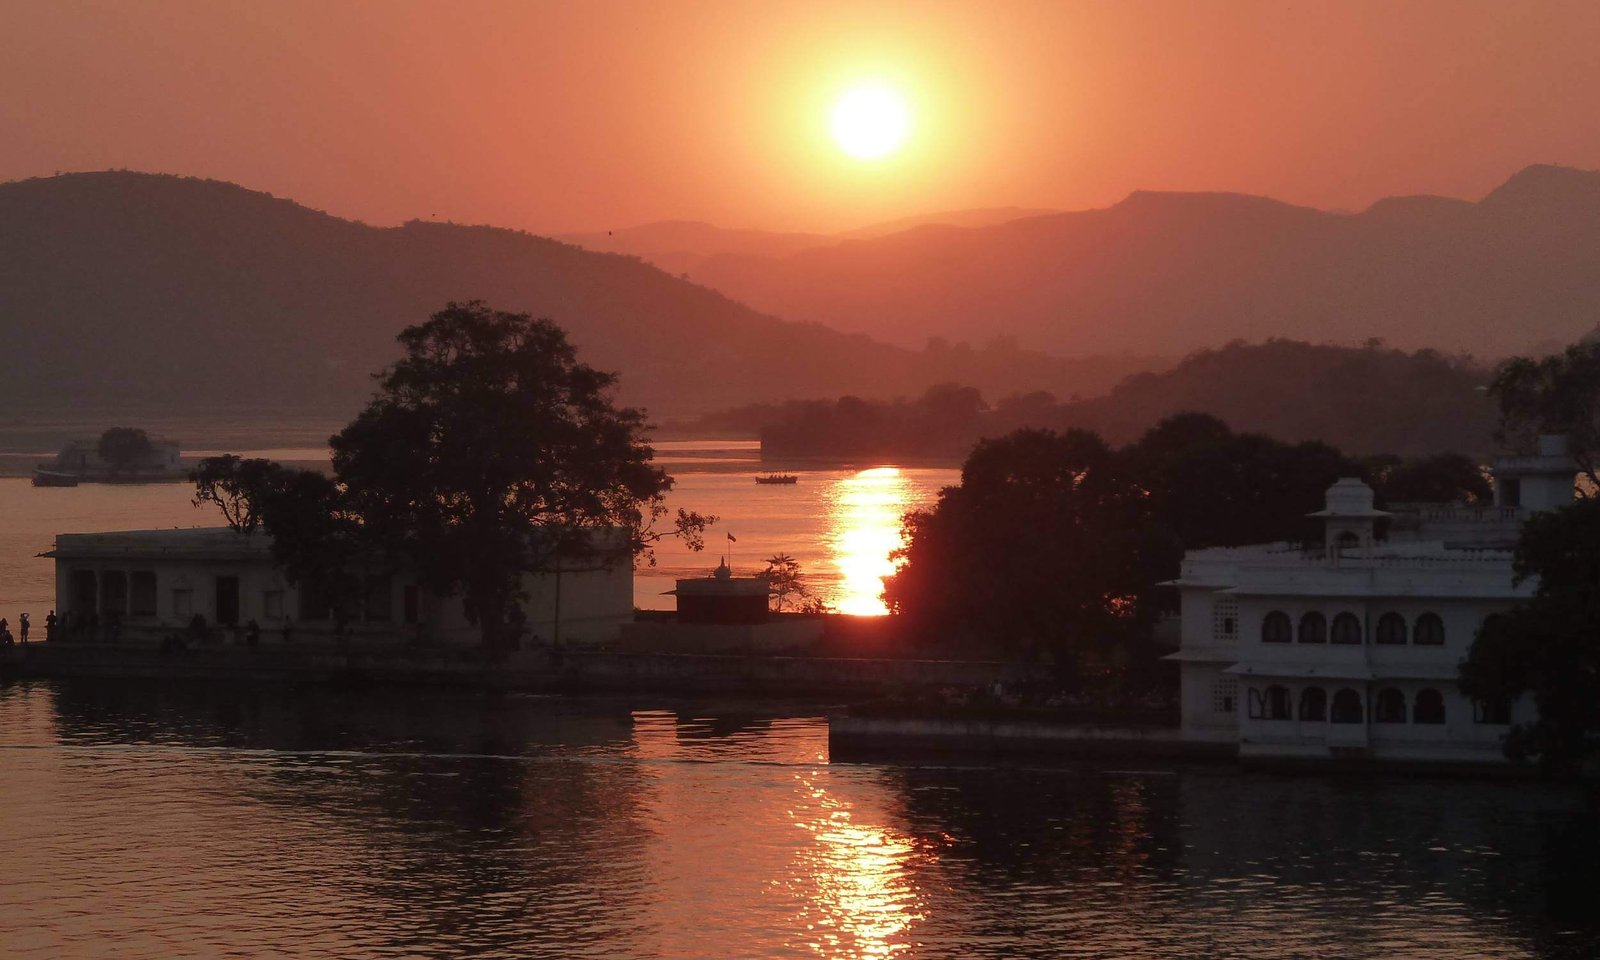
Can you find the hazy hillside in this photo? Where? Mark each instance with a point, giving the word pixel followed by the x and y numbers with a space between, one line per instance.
pixel 1363 400
pixel 1165 273
pixel 189 293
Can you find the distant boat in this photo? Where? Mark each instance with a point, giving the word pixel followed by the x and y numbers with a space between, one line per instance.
pixel 54 478
pixel 777 478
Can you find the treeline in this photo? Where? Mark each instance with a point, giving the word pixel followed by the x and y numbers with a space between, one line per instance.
pixel 1054 545
pixel 1367 399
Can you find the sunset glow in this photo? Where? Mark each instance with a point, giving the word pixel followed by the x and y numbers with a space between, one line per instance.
pixel 870 122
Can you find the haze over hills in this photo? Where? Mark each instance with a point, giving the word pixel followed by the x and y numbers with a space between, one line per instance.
pixel 177 292
pixel 681 246
pixel 1365 400
pixel 1171 272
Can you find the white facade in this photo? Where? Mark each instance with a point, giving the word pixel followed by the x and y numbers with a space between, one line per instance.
pixel 1351 649
pixel 151 584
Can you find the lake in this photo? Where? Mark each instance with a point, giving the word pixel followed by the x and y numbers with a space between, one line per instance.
pixel 840 523
pixel 158 820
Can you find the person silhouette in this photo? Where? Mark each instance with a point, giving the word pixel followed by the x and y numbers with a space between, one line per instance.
pixel 50 625
pixel 22 627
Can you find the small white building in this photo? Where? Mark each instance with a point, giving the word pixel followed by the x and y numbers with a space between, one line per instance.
pixel 151 584
pixel 1351 649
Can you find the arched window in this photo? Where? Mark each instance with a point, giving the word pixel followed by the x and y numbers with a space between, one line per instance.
pixel 1348 540
pixel 1276 628
pixel 1313 704
pixel 1346 707
pixel 1429 631
pixel 1346 628
pixel 1390 707
pixel 1277 703
pixel 1391 628
pixel 1313 628
pixel 1430 707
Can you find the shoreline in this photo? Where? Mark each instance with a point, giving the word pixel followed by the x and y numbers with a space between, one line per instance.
pixel 858 729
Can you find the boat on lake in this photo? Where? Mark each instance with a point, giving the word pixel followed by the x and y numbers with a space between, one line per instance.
pixel 777 478
pixel 54 478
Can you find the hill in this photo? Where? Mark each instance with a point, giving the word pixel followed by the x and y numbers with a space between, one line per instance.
pixel 1366 400
pixel 1173 272
pixel 180 293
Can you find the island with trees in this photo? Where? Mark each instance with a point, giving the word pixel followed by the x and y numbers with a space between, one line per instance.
pixel 120 455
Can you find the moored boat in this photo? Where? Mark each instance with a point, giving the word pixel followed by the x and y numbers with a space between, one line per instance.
pixel 777 478
pixel 54 478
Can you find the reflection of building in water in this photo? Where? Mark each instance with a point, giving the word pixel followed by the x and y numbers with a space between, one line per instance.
pixel 1351 649
pixel 865 515
pixel 152 582
pixel 721 613
pixel 1369 867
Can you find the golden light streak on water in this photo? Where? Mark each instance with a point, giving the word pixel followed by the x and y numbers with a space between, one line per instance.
pixel 864 520
pixel 864 898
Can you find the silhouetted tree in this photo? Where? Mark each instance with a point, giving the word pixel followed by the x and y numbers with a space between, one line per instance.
pixel 1044 549
pixel 1212 487
pixel 1549 646
pixel 1557 394
pixel 315 536
pixel 789 585
pixel 1441 478
pixel 490 451
pixel 122 447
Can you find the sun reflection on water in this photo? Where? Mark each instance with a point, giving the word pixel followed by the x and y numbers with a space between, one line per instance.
pixel 862 898
pixel 864 518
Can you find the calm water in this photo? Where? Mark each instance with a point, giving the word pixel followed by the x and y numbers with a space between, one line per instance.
pixel 147 821
pixel 840 524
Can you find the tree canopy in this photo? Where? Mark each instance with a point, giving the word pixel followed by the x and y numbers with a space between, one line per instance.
pixel 488 452
pixel 1440 478
pixel 1043 550
pixel 1558 394
pixel 1054 544
pixel 122 447
pixel 1215 488
pixel 1549 646
pixel 315 537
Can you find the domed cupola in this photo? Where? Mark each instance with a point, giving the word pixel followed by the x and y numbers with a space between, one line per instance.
pixel 1349 519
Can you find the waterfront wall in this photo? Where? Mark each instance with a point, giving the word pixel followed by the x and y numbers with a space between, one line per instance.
pixel 864 736
pixel 539 670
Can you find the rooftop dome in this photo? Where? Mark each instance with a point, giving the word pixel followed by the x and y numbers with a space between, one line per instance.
pixel 1349 497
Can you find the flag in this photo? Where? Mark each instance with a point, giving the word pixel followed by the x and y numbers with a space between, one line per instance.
pixel 732 538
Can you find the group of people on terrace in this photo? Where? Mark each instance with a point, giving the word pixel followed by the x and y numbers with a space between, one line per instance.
pixel 7 638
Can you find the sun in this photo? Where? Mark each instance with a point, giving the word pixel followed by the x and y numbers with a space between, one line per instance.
pixel 870 121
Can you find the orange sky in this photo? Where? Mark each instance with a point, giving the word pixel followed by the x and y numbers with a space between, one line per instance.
pixel 594 115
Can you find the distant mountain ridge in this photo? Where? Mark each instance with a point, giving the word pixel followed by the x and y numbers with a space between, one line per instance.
pixel 1168 273
pixel 147 289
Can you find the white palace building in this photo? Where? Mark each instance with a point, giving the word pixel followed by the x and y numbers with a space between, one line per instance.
pixel 1350 650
